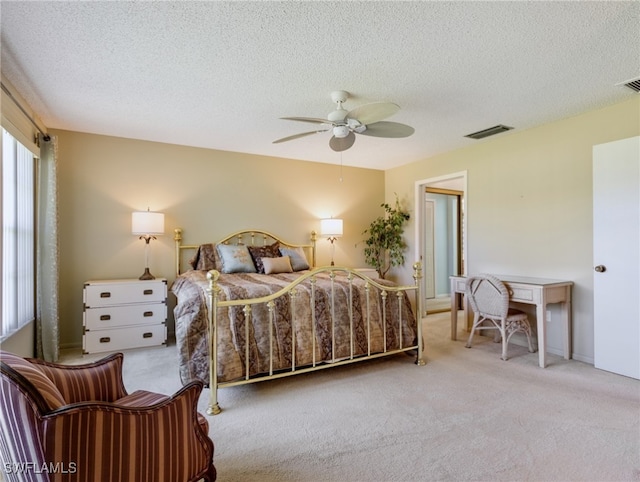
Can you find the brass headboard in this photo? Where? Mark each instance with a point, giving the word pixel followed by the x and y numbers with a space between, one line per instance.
pixel 250 237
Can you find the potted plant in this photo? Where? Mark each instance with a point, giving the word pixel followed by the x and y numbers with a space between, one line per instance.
pixel 385 246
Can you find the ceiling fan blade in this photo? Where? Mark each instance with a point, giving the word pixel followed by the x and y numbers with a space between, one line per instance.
pixel 339 144
pixel 370 113
pixel 297 136
pixel 388 129
pixel 313 120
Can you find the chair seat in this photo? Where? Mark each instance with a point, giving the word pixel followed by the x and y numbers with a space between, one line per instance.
pixel 515 312
pixel 141 398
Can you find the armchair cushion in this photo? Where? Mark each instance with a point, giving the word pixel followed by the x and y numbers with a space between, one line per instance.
pixel 141 398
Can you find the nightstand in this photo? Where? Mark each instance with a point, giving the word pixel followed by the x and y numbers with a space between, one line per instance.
pixel 123 314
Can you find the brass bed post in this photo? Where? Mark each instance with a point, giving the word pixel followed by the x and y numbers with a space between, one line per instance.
pixel 417 276
pixel 247 321
pixel 292 300
pixel 367 290
pixel 313 248
pixel 212 292
pixel 313 319
pixel 350 309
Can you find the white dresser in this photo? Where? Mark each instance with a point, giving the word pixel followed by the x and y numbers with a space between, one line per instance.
pixel 123 314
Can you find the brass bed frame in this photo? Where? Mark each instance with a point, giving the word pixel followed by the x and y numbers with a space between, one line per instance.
pixel 263 238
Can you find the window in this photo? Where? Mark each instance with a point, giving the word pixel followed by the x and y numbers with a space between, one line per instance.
pixel 18 235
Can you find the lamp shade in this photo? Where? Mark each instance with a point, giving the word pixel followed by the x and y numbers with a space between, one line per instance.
pixel 331 228
pixel 147 222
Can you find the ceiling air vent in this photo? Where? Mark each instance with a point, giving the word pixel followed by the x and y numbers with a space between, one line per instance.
pixel 633 84
pixel 491 131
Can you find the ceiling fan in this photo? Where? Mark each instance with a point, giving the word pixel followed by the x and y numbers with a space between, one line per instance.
pixel 366 120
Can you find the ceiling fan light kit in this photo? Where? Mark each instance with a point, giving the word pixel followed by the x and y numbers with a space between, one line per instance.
pixel 366 119
pixel 341 131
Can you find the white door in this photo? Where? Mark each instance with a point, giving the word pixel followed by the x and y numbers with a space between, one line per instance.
pixel 616 252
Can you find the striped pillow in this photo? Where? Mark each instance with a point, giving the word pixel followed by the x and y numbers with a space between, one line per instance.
pixel 39 380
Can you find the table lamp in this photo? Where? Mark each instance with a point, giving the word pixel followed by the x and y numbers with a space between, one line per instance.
pixel 147 225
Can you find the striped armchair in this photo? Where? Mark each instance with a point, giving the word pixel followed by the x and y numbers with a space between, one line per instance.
pixel 78 423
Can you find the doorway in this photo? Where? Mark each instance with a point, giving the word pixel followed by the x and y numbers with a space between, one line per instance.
pixel 440 236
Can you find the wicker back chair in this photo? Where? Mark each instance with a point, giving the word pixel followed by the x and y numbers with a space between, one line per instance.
pixel 63 423
pixel 489 300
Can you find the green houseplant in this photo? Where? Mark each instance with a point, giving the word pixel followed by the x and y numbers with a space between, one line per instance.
pixel 385 246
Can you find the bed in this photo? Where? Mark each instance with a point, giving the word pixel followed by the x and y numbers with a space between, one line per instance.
pixel 254 307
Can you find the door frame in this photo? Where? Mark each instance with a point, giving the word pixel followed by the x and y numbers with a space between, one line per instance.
pixel 457 181
pixel 459 195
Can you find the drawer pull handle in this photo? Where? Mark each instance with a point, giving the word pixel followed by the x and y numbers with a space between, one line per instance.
pixel 147 335
pixel 105 294
pixel 147 313
pixel 105 339
pixel 510 292
pixel 105 317
pixel 148 292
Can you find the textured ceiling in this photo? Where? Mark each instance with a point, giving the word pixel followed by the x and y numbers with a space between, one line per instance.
pixel 220 74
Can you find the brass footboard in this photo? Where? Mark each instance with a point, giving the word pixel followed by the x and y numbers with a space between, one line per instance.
pixel 371 287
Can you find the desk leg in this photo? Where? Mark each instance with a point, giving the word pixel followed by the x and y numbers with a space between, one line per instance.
pixel 542 334
pixel 454 315
pixel 566 319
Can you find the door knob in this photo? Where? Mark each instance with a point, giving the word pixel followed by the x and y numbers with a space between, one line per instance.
pixel 600 268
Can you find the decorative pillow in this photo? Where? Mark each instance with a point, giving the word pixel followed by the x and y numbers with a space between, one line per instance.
pixel 277 265
pixel 298 259
pixel 260 252
pixel 44 385
pixel 206 258
pixel 235 258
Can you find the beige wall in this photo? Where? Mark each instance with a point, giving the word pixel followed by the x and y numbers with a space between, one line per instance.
pixel 529 204
pixel 207 193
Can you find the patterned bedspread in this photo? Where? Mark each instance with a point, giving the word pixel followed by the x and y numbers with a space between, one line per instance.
pixel 191 319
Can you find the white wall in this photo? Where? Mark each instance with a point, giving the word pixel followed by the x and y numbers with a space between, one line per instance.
pixel 529 205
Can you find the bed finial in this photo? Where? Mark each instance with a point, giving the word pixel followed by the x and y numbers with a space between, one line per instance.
pixel 213 275
pixel 177 234
pixel 417 269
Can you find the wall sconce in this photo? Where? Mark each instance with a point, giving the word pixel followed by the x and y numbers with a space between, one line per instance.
pixel 147 225
pixel 332 230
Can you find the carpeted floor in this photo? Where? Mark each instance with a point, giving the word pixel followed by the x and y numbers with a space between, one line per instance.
pixel 466 415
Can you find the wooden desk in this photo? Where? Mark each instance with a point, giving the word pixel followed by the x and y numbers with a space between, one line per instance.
pixel 533 291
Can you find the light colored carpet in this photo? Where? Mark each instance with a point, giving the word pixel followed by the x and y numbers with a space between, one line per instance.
pixel 466 415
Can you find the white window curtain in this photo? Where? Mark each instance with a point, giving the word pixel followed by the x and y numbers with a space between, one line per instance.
pixel 47 253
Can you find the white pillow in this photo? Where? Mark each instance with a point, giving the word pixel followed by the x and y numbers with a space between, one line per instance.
pixel 281 264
